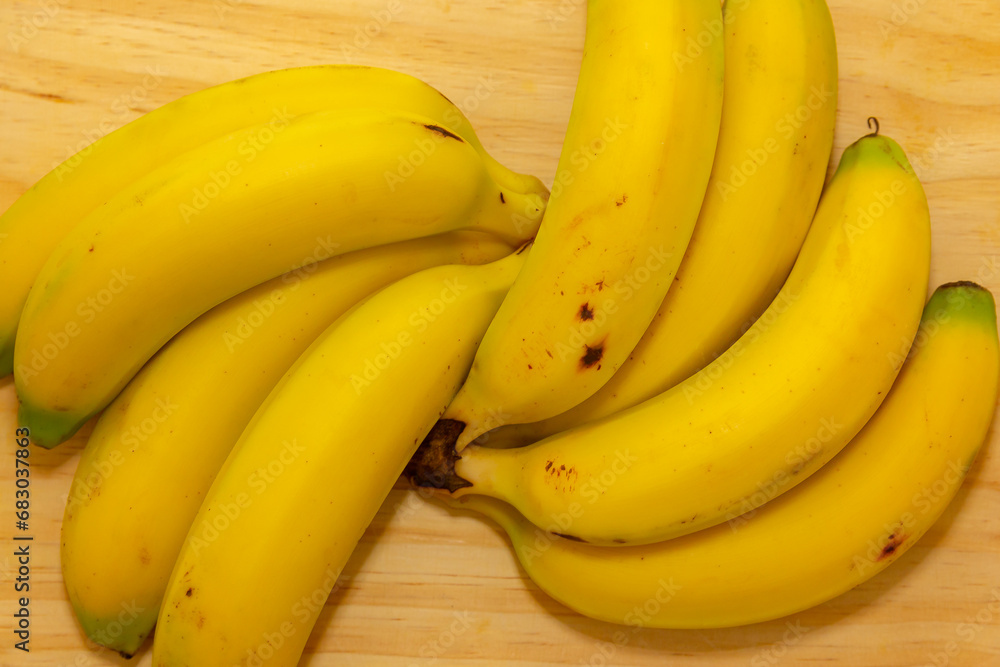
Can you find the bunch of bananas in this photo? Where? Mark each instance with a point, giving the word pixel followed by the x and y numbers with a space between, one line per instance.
pixel 690 374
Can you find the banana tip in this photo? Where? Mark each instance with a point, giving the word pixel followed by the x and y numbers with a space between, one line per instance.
pixel 433 465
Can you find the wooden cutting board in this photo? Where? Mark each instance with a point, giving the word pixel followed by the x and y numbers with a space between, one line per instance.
pixel 425 587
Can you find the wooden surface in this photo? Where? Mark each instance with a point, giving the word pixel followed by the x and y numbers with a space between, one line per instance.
pixel 427 588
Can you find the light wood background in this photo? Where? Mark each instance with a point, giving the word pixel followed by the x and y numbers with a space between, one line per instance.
pixel 929 69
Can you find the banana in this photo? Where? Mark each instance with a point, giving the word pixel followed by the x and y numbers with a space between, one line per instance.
pixel 847 523
pixel 36 223
pixel 774 146
pixel 226 217
pixel 154 452
pixel 782 401
pixel 315 463
pixel 633 172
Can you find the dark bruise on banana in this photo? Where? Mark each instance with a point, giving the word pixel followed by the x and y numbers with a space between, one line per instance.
pixel 444 132
pixel 433 465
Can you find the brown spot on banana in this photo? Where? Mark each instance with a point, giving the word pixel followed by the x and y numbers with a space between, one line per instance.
pixel 891 546
pixel 571 538
pixel 444 132
pixel 592 356
pixel 585 313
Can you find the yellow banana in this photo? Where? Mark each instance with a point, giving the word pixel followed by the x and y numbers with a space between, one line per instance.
pixel 225 217
pixel 844 525
pixel 315 463
pixel 774 146
pixel 37 222
pixel 631 178
pixel 780 403
pixel 156 449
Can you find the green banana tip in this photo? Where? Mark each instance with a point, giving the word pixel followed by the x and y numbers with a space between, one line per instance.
pixel 965 300
pixel 876 145
pixel 46 429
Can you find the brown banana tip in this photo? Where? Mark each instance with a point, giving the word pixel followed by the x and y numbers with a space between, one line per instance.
pixel 874 125
pixel 964 283
pixel 433 464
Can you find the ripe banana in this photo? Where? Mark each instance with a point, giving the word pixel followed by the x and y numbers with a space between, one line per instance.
pixel 315 463
pixel 155 451
pixel 631 178
pixel 225 217
pixel 37 222
pixel 847 523
pixel 780 403
pixel 774 146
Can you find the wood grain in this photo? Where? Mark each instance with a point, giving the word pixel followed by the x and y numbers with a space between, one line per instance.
pixel 427 587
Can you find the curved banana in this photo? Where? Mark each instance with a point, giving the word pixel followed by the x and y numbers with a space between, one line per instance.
pixel 774 146
pixel 848 522
pixel 314 465
pixel 36 223
pixel 223 218
pixel 631 178
pixel 155 451
pixel 780 403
